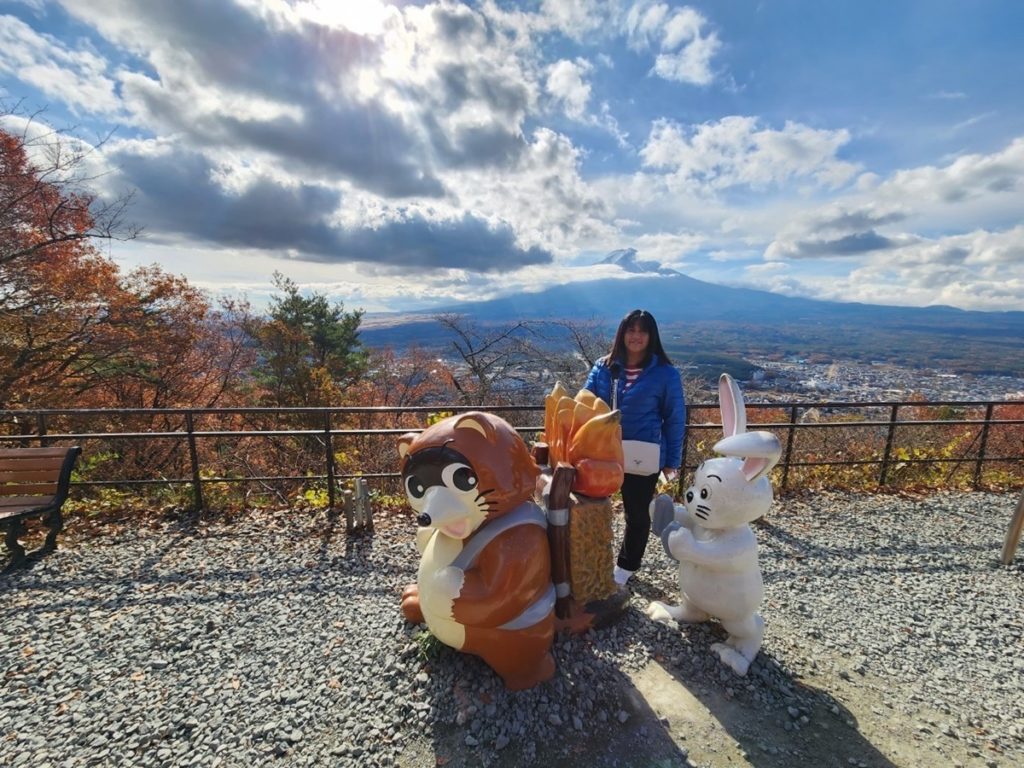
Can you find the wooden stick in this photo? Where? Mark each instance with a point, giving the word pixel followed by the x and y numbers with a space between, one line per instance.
pixel 1013 535
pixel 558 536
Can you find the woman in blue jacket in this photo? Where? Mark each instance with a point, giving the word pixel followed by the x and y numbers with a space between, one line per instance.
pixel 649 392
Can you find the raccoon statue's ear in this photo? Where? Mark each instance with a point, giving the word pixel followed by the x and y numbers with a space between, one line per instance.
pixel 474 420
pixel 404 442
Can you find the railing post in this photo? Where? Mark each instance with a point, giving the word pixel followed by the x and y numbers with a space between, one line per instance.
pixel 329 456
pixel 884 475
pixel 41 429
pixel 789 447
pixel 197 481
pixel 681 483
pixel 981 446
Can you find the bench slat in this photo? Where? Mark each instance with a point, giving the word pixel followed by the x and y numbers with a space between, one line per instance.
pixel 28 475
pixel 15 453
pixel 27 489
pixel 14 511
pixel 32 463
pixel 7 502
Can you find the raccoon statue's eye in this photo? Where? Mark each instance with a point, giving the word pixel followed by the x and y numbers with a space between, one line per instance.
pixel 689 497
pixel 705 492
pixel 414 487
pixel 465 479
pixel 459 476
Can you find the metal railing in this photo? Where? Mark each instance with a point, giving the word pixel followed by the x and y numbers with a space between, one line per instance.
pixel 814 435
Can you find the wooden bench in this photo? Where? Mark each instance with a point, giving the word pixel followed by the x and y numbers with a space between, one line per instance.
pixel 33 483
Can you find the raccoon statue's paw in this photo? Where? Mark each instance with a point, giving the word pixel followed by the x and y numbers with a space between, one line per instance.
pixel 448 581
pixel 411 604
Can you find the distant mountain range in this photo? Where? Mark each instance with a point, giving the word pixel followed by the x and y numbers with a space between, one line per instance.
pixel 673 297
pixel 681 301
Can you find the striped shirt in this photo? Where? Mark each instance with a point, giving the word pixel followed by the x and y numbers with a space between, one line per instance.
pixel 632 374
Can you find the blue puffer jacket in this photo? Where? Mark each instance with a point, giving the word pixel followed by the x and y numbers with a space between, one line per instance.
pixel 652 409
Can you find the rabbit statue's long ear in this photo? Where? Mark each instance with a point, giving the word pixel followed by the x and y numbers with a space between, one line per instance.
pixel 759 450
pixel 730 402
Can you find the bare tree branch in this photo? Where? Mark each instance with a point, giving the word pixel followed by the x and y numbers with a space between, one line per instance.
pixel 47 192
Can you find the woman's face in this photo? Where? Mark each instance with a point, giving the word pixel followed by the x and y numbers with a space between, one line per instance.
pixel 636 339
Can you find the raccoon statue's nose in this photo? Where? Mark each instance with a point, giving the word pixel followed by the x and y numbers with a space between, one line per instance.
pixel 423 520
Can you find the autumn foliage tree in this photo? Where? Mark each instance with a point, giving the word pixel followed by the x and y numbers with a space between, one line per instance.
pixel 74 330
pixel 54 285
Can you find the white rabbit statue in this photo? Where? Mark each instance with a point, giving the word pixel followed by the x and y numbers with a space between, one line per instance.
pixel 719 575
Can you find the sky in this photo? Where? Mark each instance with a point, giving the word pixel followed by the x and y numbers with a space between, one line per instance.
pixel 409 155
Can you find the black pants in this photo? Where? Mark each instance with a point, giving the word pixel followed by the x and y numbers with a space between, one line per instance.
pixel 637 492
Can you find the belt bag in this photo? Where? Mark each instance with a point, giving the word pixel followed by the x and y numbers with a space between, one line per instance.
pixel 641 458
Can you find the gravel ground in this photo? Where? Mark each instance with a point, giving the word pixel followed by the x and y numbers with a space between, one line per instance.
pixel 894 637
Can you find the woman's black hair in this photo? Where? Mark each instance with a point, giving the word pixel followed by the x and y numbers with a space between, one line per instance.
pixel 645 320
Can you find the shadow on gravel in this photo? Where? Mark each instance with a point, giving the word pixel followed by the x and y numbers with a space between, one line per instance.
pixel 837 561
pixel 680 709
pixel 756 735
pixel 206 582
pixel 477 725
pixel 767 719
pixel 58 583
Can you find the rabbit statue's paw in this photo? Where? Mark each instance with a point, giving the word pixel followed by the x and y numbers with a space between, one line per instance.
pixel 732 658
pixel 666 534
pixel 663 512
pixel 661 613
pixel 680 543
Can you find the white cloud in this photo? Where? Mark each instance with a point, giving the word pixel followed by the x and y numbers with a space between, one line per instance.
pixel 737 151
pixel 35 5
pixel 670 249
pixel 642 22
pixel 363 17
pixel 969 177
pixel 971 191
pixel 543 196
pixel 574 18
pixel 609 123
pixel 970 122
pixel 692 64
pixel 685 48
pixel 566 83
pixel 76 77
pixel 765 268
pixel 978 270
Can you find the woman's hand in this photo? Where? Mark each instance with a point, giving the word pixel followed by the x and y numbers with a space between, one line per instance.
pixel 670 474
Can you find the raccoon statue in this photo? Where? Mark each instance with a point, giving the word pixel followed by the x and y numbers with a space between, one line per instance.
pixel 484 583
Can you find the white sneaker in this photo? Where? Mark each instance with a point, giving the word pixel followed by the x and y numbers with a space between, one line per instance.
pixel 621 575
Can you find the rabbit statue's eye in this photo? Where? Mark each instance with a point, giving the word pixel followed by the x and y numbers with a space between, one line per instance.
pixel 689 497
pixel 704 493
